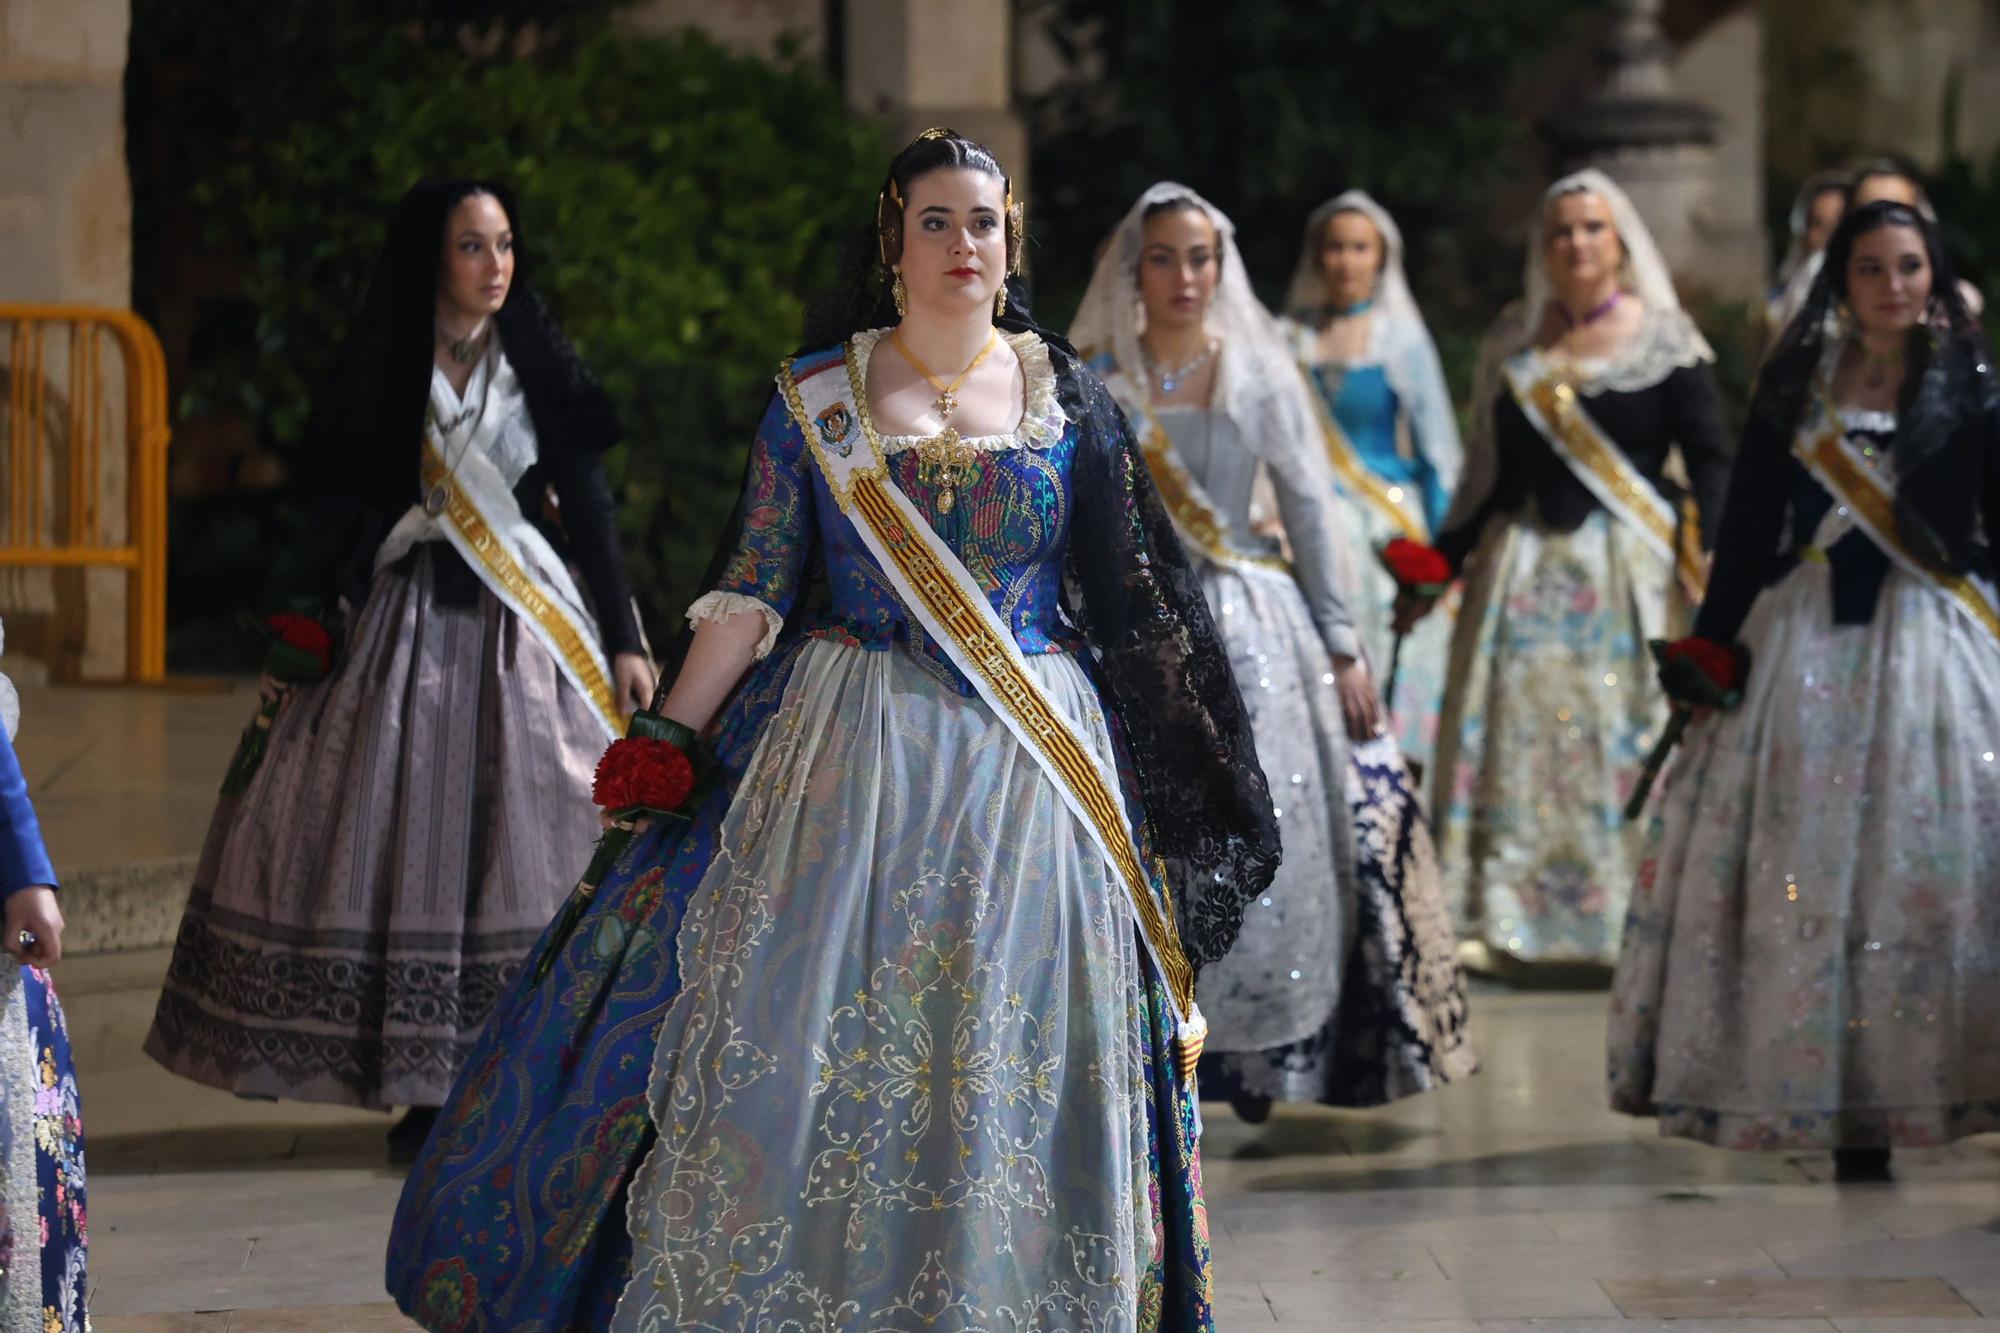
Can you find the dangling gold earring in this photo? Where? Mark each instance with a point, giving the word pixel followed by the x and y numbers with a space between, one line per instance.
pixel 1000 301
pixel 901 294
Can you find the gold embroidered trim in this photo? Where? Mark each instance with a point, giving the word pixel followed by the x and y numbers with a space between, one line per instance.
pixel 1580 440
pixel 1858 489
pixel 1198 522
pixel 554 622
pixel 1347 465
pixel 868 495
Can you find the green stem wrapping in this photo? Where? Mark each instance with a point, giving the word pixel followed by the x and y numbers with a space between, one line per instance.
pixel 625 826
pixel 250 749
pixel 610 846
pixel 1676 724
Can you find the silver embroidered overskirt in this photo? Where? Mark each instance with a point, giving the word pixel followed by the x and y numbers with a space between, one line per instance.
pixel 1813 952
pixel 1282 978
pixel 903 1085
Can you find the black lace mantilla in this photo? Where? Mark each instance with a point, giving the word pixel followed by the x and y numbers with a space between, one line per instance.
pixel 1208 807
pixel 358 465
pixel 1164 668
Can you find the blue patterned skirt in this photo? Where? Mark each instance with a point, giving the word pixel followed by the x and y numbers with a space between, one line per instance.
pixel 515 1215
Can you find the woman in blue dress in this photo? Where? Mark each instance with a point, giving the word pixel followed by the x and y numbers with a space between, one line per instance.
pixel 891 1034
pixel 43 1235
pixel 1390 432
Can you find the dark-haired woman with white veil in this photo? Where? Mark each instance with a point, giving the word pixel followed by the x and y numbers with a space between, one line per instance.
pixel 1342 988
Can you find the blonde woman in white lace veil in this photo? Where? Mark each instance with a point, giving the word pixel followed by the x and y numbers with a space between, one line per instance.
pixel 1388 425
pixel 42 1229
pixel 1342 987
pixel 1576 549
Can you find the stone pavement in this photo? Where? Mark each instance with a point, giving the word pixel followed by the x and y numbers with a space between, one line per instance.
pixel 1511 1202
pixel 1514 1201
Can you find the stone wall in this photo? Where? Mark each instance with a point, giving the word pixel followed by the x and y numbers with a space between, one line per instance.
pixel 1849 78
pixel 1721 68
pixel 65 236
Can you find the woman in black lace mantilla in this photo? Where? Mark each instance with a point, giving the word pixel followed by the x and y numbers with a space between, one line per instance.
pixel 366 892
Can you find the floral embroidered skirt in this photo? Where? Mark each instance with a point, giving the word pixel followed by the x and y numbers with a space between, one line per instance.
pixel 418 818
pixel 911 1065
pixel 1343 986
pixel 1552 707
pixel 1812 958
pixel 43 1233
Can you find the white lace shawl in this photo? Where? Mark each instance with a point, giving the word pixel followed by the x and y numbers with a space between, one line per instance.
pixel 1666 340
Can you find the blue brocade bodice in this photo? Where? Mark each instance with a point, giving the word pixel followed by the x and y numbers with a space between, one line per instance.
pixel 1009 525
pixel 1367 408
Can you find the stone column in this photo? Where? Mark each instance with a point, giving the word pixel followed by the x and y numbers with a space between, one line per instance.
pixel 66 236
pixel 918 63
pixel 1657 145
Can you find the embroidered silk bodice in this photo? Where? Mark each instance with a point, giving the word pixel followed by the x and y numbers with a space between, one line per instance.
pixel 1008 524
pixel 1365 405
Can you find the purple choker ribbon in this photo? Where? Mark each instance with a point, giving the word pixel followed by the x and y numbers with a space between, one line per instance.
pixel 1609 304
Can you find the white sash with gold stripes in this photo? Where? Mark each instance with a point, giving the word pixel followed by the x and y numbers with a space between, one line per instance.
pixel 1397 506
pixel 483 522
pixel 1851 478
pixel 831 405
pixel 1555 409
pixel 1196 518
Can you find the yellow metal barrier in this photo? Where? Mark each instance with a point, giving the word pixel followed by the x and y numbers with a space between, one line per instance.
pixel 53 509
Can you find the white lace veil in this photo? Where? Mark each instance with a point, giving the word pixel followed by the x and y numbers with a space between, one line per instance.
pixel 1666 340
pixel 1258 384
pixel 1817 184
pixel 1398 339
pixel 1306 297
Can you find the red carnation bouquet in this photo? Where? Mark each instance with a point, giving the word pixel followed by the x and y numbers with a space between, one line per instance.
pixel 1418 568
pixel 653 773
pixel 1696 673
pixel 298 650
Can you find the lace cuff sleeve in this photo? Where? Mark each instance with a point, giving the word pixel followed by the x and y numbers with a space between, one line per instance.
pixel 720 606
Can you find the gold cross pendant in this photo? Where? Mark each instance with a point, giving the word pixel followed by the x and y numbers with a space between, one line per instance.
pixel 945 405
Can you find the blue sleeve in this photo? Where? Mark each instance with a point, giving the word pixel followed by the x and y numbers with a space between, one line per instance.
pixel 769 562
pixel 23 859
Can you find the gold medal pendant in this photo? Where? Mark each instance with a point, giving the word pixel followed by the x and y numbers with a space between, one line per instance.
pixel 943 461
pixel 434 502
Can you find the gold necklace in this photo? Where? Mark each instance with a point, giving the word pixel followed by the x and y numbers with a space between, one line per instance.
pixel 1876 366
pixel 944 461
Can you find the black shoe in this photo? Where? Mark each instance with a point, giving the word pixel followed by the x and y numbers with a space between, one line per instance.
pixel 1249 1109
pixel 407 1135
pixel 1860 1166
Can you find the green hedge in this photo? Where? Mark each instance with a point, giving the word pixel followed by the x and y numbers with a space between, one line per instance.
pixel 676 201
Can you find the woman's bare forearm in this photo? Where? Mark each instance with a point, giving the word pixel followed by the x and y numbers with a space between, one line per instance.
pixel 722 651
